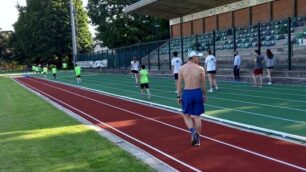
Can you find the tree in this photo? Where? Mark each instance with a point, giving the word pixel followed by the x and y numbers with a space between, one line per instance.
pixel 119 29
pixel 5 49
pixel 43 30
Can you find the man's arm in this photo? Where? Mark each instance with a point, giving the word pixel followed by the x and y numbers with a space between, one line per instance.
pixel 203 82
pixel 179 87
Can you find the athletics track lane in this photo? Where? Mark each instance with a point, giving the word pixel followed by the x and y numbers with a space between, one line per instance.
pixel 165 131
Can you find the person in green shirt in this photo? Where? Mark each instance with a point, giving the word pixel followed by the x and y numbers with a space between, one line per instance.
pixel 64 65
pixel 54 71
pixel 36 69
pixel 144 80
pixel 77 71
pixel 45 71
pixel 33 69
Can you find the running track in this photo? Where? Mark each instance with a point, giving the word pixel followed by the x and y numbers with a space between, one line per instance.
pixel 162 134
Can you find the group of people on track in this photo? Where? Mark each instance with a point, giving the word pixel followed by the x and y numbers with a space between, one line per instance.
pixel 190 82
pixel 38 69
pixel 191 76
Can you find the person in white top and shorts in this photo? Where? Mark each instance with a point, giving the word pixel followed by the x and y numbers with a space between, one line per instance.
pixel 176 63
pixel 135 70
pixel 211 69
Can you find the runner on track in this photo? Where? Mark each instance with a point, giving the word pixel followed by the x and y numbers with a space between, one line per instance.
pixel 144 80
pixel 258 70
pixel 64 66
pixel 134 70
pixel 36 69
pixel 211 69
pixel 176 63
pixel 45 71
pixel 194 94
pixel 77 71
pixel 33 69
pixel 54 71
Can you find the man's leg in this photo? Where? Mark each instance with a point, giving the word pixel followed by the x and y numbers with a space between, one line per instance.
pixel 238 74
pixel 235 74
pixel 215 82
pixel 210 83
pixel 254 79
pixel 197 124
pixel 269 74
pixel 148 91
pixel 136 79
pixel 260 80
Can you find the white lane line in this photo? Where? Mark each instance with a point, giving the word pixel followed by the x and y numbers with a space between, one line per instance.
pixel 232 100
pixel 160 79
pixel 269 97
pixel 109 126
pixel 215 120
pixel 172 126
pixel 219 107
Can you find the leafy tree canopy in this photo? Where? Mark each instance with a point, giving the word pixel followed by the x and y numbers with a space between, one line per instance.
pixel 43 30
pixel 116 28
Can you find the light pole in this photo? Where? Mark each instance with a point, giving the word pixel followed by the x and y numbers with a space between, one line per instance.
pixel 74 46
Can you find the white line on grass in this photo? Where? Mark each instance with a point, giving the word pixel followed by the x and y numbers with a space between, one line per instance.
pixel 231 88
pixel 233 100
pixel 224 122
pixel 161 79
pixel 219 107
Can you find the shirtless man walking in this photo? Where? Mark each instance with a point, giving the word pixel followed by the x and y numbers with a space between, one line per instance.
pixel 194 94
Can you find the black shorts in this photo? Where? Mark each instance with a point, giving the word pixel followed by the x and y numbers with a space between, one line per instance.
pixel 54 74
pixel 142 86
pixel 176 76
pixel 212 72
pixel 78 76
pixel 134 71
pixel 44 73
pixel 272 67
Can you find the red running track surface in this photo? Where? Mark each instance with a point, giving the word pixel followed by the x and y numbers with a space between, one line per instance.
pixel 163 134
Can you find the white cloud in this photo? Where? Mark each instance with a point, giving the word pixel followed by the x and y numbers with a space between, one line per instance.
pixel 9 13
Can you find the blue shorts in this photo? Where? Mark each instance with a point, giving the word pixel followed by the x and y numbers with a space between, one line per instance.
pixel 192 102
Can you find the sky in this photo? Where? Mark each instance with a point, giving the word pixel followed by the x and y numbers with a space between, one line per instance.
pixel 9 13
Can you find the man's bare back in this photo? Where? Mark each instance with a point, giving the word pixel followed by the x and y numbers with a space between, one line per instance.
pixel 192 75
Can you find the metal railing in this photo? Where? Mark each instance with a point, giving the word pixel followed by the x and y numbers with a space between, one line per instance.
pixel 286 39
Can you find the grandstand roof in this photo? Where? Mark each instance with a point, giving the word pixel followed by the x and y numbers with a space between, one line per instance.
pixel 170 9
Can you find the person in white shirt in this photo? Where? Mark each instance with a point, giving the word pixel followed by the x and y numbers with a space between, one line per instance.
pixel 211 69
pixel 237 63
pixel 135 70
pixel 270 63
pixel 176 63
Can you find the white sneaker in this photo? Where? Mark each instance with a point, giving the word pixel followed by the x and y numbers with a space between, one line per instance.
pixel 175 91
pixel 269 83
pixel 210 91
